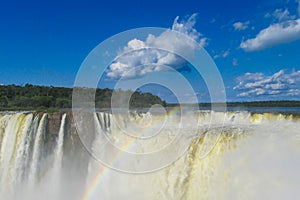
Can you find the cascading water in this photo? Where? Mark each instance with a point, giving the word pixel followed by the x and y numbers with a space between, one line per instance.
pixel 37 151
pixel 55 172
pixel 257 156
pixel 19 166
pixel 59 146
pixel 7 152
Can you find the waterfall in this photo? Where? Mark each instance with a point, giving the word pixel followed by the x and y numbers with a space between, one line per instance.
pixel 37 150
pixel 252 156
pixel 28 144
pixel 97 145
pixel 249 147
pixel 7 152
pixel 59 146
pixel 23 134
pixel 55 174
pixel 3 122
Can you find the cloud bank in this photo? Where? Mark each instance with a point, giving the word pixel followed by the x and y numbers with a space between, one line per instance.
pixel 280 84
pixel 136 60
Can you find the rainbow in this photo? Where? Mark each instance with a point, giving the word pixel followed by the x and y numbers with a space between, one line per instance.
pixel 96 182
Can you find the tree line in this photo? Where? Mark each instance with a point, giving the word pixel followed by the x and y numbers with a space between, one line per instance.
pixel 49 98
pixel 32 97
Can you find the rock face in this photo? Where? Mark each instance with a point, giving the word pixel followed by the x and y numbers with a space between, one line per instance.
pixel 53 124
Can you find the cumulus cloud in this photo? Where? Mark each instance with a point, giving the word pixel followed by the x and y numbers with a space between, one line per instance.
pixel 240 26
pixel 285 30
pixel 279 84
pixel 136 59
pixel 275 34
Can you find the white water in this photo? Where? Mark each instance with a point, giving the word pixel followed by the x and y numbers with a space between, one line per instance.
pixel 7 153
pixel 97 144
pixel 55 173
pixel 59 146
pixel 19 165
pixel 33 175
pixel 28 145
pixel 256 157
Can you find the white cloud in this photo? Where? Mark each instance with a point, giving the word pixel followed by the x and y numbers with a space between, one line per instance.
pixel 286 30
pixel 275 34
pixel 240 26
pixel 223 54
pixel 279 84
pixel 267 15
pixel 136 60
pixel 282 15
pixel 235 62
pixel 299 8
pixel 203 42
pixel 187 27
pixel 216 56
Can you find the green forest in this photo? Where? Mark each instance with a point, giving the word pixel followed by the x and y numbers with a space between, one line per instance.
pixel 51 99
pixel 44 98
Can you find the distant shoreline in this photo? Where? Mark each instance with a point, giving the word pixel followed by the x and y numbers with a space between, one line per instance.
pixel 281 103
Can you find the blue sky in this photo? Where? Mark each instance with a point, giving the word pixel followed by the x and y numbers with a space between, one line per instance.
pixel 255 44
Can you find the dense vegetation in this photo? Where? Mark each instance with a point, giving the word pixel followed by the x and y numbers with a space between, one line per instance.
pixel 41 98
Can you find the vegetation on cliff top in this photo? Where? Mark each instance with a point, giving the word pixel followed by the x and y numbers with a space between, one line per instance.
pixel 43 98
pixel 50 99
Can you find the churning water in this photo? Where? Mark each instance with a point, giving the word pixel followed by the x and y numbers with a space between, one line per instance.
pixel 254 156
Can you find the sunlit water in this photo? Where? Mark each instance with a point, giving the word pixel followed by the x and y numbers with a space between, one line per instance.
pixel 256 156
